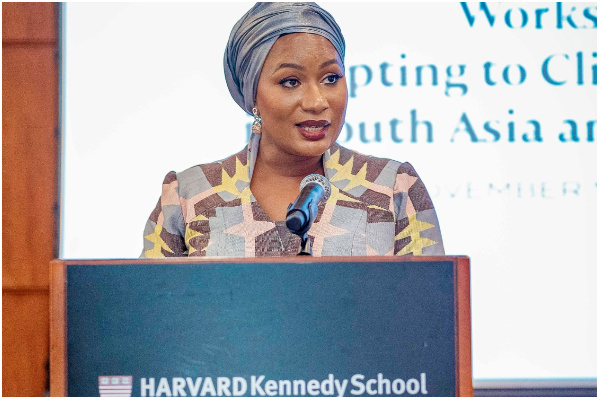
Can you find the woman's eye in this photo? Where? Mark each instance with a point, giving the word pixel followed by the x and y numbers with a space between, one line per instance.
pixel 333 78
pixel 289 83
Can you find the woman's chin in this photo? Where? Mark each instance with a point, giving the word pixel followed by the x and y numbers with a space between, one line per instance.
pixel 314 148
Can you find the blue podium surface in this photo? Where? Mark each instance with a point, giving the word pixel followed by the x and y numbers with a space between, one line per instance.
pixel 361 326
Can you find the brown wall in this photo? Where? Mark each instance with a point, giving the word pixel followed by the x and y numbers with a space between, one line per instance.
pixel 30 165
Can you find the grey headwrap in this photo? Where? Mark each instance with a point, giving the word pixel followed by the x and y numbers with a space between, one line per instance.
pixel 255 33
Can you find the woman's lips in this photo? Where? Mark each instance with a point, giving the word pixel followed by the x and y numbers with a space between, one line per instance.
pixel 313 130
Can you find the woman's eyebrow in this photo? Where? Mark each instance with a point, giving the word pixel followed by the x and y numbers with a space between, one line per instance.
pixel 326 63
pixel 301 68
pixel 289 65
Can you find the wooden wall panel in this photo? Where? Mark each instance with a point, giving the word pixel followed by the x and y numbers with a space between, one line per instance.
pixel 30 148
pixel 29 152
pixel 29 21
pixel 25 338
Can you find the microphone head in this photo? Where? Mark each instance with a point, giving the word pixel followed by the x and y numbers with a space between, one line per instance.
pixel 321 180
pixel 296 221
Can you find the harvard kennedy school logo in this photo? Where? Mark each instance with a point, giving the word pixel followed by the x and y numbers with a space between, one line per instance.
pixel 115 386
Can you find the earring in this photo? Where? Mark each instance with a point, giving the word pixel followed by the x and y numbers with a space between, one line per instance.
pixel 257 125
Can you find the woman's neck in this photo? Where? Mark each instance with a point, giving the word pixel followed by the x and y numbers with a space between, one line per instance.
pixel 276 180
pixel 283 166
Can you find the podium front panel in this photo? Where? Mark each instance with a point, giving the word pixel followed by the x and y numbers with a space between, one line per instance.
pixel 262 328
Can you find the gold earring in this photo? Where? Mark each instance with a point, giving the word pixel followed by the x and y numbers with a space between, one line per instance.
pixel 257 125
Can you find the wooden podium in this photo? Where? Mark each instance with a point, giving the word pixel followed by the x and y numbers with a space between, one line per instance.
pixel 355 326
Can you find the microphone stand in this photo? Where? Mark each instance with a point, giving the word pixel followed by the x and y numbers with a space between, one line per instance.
pixel 305 245
pixel 305 242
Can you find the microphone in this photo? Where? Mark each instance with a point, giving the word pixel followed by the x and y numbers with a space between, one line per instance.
pixel 314 189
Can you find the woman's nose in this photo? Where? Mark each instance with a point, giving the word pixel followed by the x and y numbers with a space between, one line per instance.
pixel 314 99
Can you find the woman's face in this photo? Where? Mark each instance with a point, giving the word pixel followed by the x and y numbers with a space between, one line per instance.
pixel 301 96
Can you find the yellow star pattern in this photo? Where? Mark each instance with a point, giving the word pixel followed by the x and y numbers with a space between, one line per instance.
pixel 245 195
pixel 413 230
pixel 337 195
pixel 345 172
pixel 228 182
pixel 360 179
pixel 334 161
pixel 190 233
pixel 159 244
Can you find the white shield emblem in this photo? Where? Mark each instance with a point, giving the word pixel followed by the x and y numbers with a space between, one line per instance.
pixel 115 386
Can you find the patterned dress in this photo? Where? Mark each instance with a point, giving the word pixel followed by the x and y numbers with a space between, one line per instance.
pixel 377 207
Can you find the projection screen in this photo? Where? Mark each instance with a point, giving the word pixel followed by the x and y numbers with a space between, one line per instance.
pixel 494 104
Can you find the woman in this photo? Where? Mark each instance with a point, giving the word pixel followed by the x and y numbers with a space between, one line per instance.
pixel 284 64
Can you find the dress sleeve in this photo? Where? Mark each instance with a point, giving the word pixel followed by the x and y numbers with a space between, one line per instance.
pixel 417 230
pixel 164 235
